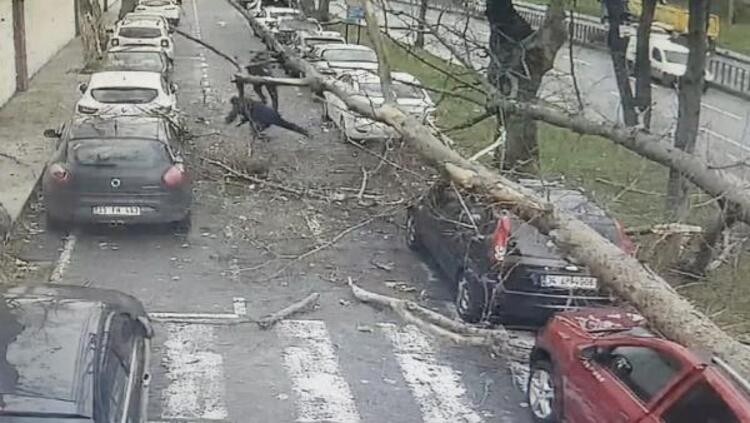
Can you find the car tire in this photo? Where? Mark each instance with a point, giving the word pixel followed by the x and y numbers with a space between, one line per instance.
pixel 470 299
pixel 412 236
pixel 183 225
pixel 541 392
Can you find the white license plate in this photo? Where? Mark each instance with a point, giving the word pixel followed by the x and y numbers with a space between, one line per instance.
pixel 117 211
pixel 569 282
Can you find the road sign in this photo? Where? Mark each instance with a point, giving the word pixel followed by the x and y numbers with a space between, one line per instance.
pixel 355 14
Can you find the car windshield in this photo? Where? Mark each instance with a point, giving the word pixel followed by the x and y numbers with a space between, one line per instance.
pixel 139 32
pixel 316 41
pixel 156 2
pixel 285 14
pixel 676 57
pixel 116 95
pixel 135 153
pixel 350 55
pixel 148 61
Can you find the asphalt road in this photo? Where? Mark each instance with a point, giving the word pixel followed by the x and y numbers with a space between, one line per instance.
pixel 725 119
pixel 343 362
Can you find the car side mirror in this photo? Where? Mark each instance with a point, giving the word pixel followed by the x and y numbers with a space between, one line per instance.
pixel 82 87
pixel 590 353
pixel 51 133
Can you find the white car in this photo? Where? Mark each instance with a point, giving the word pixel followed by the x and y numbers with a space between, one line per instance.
pixel 167 8
pixel 132 16
pixel 409 96
pixel 334 58
pixel 270 16
pixel 304 41
pixel 140 32
pixel 668 59
pixel 126 93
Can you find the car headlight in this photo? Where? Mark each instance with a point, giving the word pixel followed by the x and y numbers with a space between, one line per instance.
pixel 87 110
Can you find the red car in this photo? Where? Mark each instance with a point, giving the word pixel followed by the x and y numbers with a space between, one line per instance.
pixel 603 365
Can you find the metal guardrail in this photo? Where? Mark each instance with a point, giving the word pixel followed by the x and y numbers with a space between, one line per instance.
pixel 731 70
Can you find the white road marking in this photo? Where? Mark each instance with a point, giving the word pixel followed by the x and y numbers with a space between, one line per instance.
pixel 190 316
pixel 240 306
pixel 195 374
pixel 64 260
pixel 721 111
pixel 566 57
pixel 322 394
pixel 437 388
pixel 724 138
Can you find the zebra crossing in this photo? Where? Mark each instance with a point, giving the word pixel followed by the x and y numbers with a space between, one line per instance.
pixel 194 364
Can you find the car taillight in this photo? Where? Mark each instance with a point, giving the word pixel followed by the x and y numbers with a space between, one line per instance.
pixel 165 43
pixel 501 238
pixel 59 174
pixel 175 176
pixel 115 42
pixel 626 244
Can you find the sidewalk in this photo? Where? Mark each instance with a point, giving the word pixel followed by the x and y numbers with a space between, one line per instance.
pixel 47 103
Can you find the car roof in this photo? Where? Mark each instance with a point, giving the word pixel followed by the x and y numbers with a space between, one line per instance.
pixel 141 16
pixel 146 127
pixel 665 42
pixel 343 47
pixel 141 21
pixel 143 79
pixel 47 334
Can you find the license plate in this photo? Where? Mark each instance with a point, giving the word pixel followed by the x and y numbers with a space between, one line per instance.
pixel 569 282
pixel 117 211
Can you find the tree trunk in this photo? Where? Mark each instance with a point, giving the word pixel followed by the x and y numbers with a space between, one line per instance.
pixel 419 43
pixel 709 241
pixel 384 68
pixel 308 7
pixel 617 46
pixel 665 309
pixel 643 62
pixel 91 30
pixel 519 60
pixel 324 10
pixel 688 119
pixel 126 6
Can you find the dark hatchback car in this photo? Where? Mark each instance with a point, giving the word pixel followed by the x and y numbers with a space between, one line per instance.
pixel 117 170
pixel 503 268
pixel 138 58
pixel 73 354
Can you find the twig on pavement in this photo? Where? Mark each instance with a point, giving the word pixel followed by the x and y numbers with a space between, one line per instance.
pixel 306 303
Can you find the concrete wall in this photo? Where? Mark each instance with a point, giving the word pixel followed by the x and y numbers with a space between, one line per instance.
pixel 7 52
pixel 50 25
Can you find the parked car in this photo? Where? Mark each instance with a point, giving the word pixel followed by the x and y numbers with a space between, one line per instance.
pixel 304 41
pixel 143 32
pixel 287 28
pixel 132 16
pixel 335 58
pixel 126 92
pixel 271 16
pixel 503 268
pixel 668 59
pixel 604 365
pixel 74 354
pixel 170 9
pixel 409 97
pixel 119 170
pixel 134 58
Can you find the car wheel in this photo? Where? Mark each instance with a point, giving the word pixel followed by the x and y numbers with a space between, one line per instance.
pixel 470 302
pixel 541 392
pixel 412 237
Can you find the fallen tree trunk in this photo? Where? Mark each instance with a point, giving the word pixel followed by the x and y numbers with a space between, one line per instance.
pixel 667 311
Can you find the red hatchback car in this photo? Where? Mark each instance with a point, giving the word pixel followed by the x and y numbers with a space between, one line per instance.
pixel 604 365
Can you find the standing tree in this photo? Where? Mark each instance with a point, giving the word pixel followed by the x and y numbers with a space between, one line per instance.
pixel 616 14
pixel 688 119
pixel 642 68
pixel 419 42
pixel 519 59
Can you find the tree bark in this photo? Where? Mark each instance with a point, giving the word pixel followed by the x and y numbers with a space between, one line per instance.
pixel 419 42
pixel 642 65
pixel 617 46
pixel 688 119
pixel 324 10
pixel 384 68
pixel 519 59
pixel 666 310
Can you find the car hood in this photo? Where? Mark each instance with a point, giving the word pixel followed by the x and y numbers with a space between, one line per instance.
pixel 602 320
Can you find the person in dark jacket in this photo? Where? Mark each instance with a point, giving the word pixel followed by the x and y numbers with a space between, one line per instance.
pixel 261 66
pixel 259 116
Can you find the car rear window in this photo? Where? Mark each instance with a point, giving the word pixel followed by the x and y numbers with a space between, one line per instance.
pixel 120 153
pixel 156 3
pixel 139 32
pixel 317 41
pixel 124 95
pixel 150 61
pixel 349 55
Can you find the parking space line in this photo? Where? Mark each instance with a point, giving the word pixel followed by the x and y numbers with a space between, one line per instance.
pixel 195 374
pixel 721 111
pixel 322 394
pixel 437 388
pixel 724 138
pixel 64 260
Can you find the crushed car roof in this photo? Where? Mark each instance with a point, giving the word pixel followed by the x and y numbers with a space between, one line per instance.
pixel 135 79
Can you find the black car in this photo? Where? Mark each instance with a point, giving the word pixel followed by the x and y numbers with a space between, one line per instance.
pixel 124 169
pixel 73 354
pixel 503 268
pixel 138 58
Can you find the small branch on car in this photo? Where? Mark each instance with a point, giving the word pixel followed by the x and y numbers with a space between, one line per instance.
pixel 304 304
pixel 210 47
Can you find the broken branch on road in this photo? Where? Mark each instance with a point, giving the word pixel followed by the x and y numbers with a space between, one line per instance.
pixel 306 303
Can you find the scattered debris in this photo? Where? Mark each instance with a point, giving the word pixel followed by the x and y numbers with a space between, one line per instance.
pixel 306 303
pixel 401 286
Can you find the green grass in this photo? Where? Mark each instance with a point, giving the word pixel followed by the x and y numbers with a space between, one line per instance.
pixel 735 37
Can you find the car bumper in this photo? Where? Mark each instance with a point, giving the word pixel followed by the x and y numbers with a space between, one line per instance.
pixel 155 208
pixel 534 308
